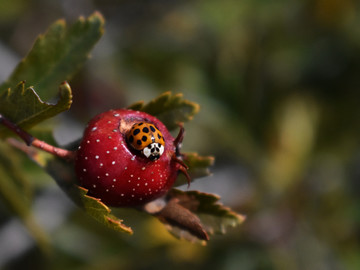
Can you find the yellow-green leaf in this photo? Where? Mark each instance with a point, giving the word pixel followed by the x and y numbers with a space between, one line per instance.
pixel 64 175
pixel 170 109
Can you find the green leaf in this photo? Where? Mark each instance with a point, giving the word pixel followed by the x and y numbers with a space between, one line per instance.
pixel 214 217
pixel 96 209
pixel 25 108
pixel 15 193
pixel 198 167
pixel 64 175
pixel 57 55
pixel 170 109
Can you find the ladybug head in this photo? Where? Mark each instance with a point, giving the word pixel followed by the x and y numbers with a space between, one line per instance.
pixel 153 151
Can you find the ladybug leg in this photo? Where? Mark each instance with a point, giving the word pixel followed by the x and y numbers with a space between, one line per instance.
pixel 32 141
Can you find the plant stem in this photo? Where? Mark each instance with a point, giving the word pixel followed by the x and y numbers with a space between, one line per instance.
pixel 32 141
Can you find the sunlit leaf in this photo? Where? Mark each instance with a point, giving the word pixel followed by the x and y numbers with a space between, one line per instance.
pixel 170 109
pixel 64 175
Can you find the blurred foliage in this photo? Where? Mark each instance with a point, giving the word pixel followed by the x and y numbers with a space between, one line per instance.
pixel 278 85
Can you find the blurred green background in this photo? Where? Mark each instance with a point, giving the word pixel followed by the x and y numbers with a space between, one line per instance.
pixel 278 84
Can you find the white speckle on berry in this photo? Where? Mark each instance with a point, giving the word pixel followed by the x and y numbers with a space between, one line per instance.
pixel 116 115
pixel 114 130
pixel 107 152
pixel 131 175
pixel 114 180
pixel 84 170
pixel 97 140
pixel 94 128
pixel 113 163
pixel 133 158
pixel 79 147
pixel 106 174
pixel 143 168
pixel 125 168
pixel 98 177
pixel 97 157
pixel 146 184
pixel 88 141
pixel 86 158
pixel 109 122
pixel 122 194
pixel 138 178
pixel 110 137
pixel 94 186
pixel 107 190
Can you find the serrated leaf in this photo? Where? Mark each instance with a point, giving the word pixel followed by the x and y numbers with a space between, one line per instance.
pixel 14 192
pixel 96 209
pixel 214 217
pixel 64 175
pixel 57 54
pixel 24 107
pixel 170 109
pixel 198 167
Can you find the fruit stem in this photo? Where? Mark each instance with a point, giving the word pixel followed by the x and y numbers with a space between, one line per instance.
pixel 32 141
pixel 179 138
pixel 177 143
pixel 183 168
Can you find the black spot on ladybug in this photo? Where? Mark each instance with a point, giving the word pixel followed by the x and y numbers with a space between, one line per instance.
pixel 152 150
pixel 159 145
pixel 152 128
pixel 159 136
pixel 140 124
pixel 144 138
pixel 146 130
pixel 136 131
pixel 139 142
pixel 131 138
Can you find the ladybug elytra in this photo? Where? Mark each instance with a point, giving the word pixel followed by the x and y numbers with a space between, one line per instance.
pixel 147 138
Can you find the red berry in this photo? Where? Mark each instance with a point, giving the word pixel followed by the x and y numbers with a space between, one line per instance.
pixel 119 172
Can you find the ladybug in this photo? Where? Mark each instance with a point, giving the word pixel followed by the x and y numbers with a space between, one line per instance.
pixel 147 138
